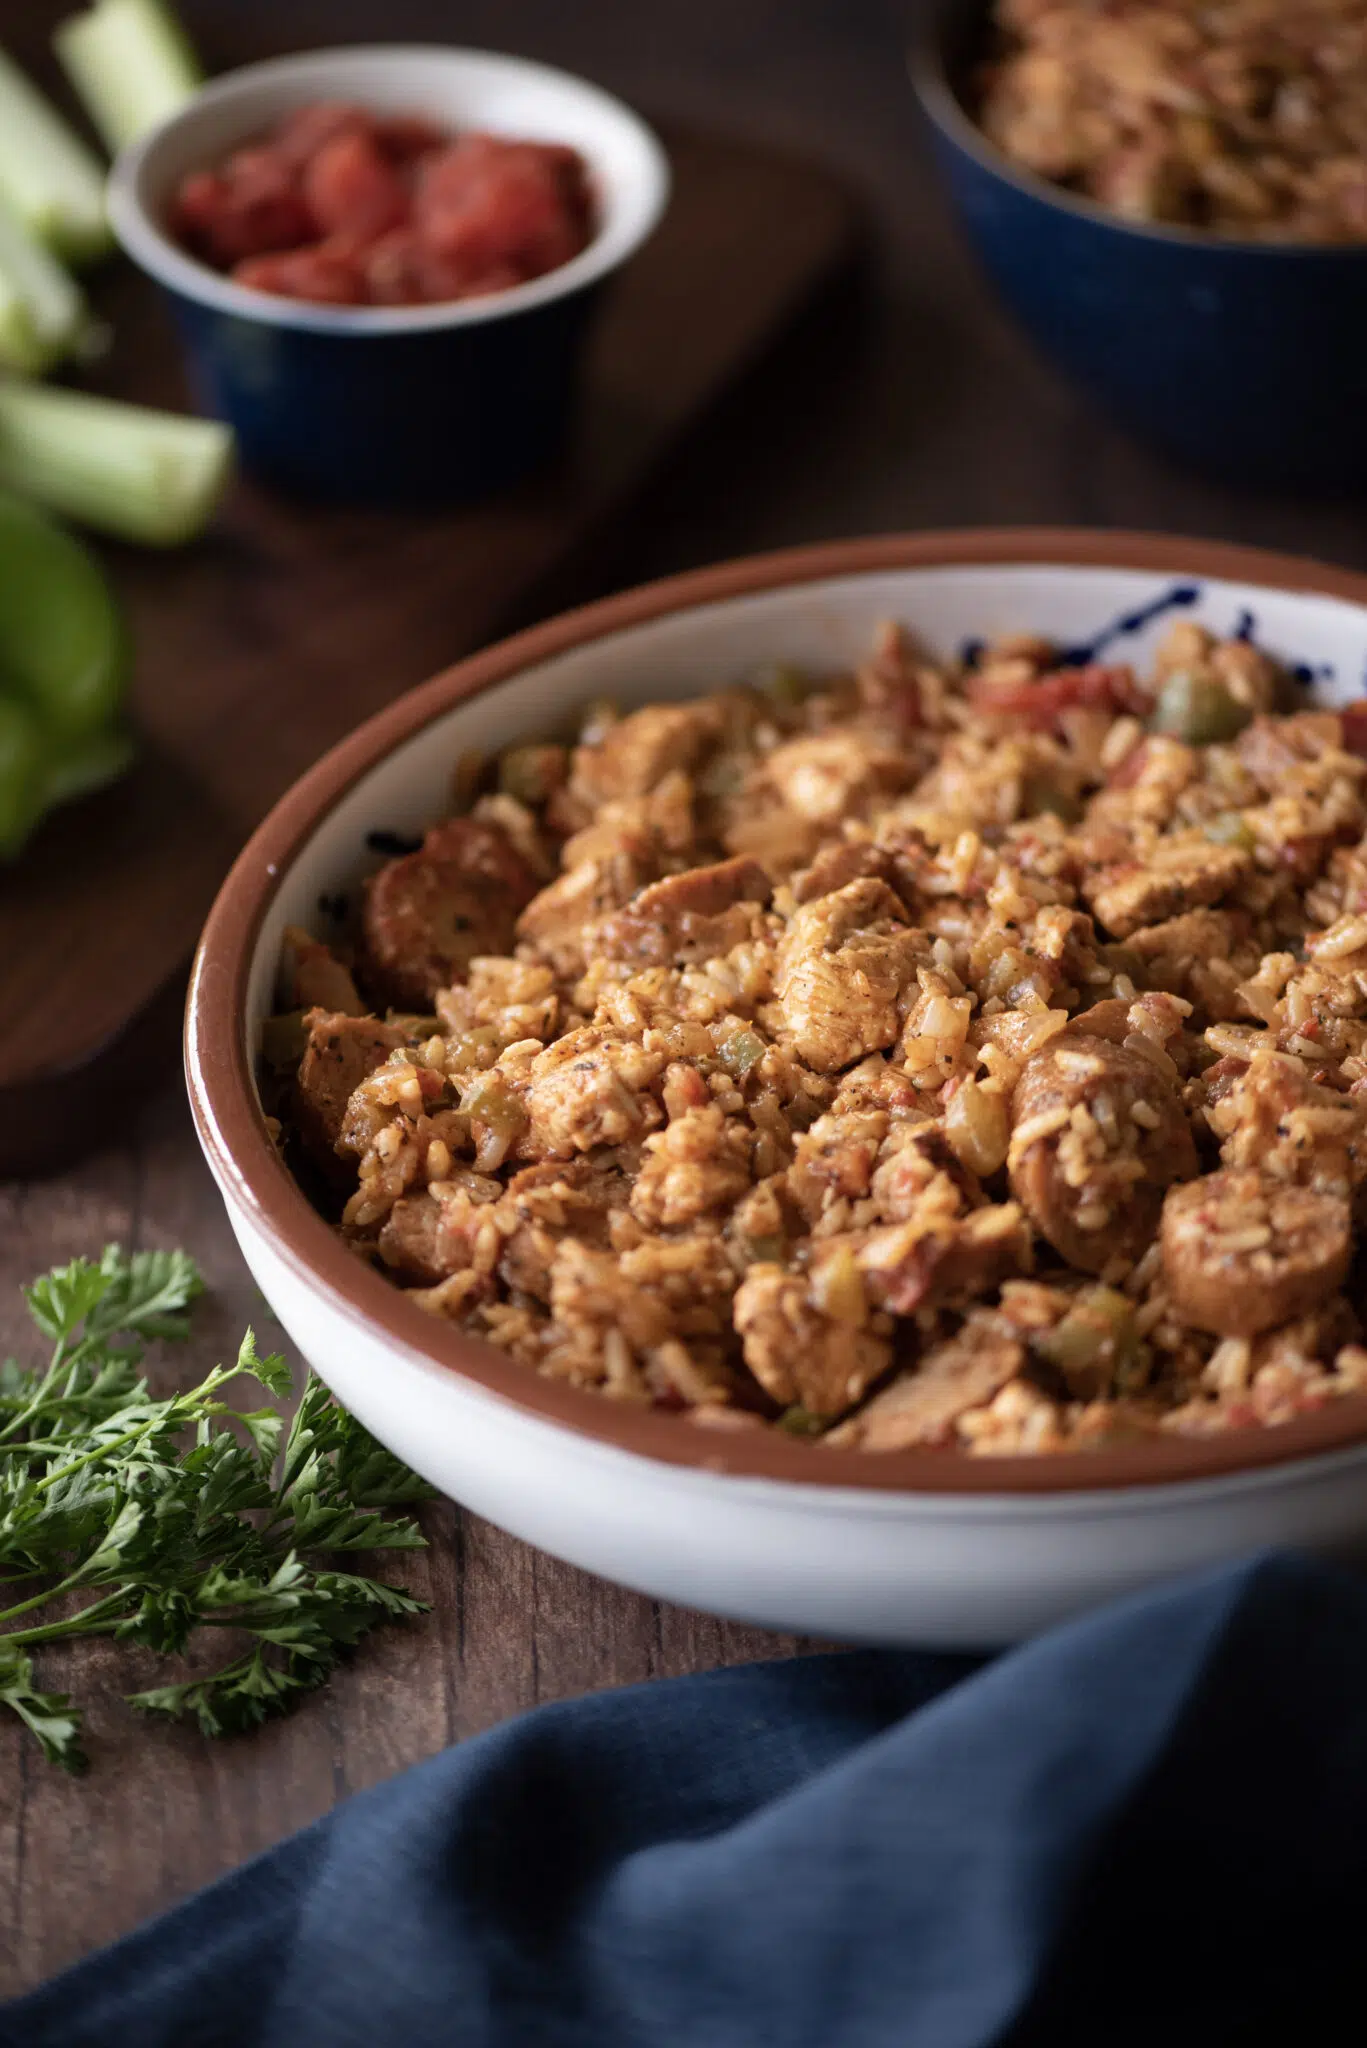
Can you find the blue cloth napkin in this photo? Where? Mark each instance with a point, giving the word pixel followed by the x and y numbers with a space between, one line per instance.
pixel 1149 1827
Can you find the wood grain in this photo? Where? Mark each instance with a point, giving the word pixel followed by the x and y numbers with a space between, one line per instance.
pixel 161 1810
pixel 911 405
pixel 289 624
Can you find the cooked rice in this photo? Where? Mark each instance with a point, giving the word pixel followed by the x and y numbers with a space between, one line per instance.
pixel 935 1056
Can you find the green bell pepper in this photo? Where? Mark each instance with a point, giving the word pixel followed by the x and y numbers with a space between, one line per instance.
pixel 63 664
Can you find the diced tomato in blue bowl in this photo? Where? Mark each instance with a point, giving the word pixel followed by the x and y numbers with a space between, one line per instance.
pixel 383 261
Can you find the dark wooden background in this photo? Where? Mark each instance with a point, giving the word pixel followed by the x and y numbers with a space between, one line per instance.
pixel 910 403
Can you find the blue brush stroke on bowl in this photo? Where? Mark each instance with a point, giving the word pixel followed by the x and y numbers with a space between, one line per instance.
pixel 1128 624
pixel 1246 360
pixel 1177 597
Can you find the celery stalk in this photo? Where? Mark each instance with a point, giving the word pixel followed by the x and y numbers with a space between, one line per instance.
pixel 132 65
pixel 42 311
pixel 147 476
pixel 52 181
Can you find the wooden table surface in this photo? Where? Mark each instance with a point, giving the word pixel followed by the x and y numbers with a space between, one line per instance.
pixel 913 405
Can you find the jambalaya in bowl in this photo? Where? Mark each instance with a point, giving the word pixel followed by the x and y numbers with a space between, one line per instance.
pixel 968 1054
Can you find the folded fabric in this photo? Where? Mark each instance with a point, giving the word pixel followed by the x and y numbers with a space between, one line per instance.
pixel 1149 1827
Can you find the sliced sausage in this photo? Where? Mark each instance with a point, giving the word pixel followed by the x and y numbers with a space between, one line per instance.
pixel 429 914
pixel 1098 1133
pixel 1243 1253
pixel 341 1051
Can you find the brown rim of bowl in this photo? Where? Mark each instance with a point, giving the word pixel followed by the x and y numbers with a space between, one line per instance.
pixel 233 1133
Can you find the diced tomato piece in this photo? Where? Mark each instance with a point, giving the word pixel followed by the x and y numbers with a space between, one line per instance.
pixel 484 204
pixel 443 278
pixel 353 190
pixel 401 270
pixel 251 207
pixel 197 206
pixel 405 137
pixel 393 268
pixel 384 210
pixel 302 134
pixel 1098 686
pixel 1354 720
pixel 330 274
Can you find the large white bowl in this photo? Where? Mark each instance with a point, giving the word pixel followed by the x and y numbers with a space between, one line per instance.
pixel 921 1547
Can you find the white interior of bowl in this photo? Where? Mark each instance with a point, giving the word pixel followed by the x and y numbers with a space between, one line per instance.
pixel 458 89
pixel 819 626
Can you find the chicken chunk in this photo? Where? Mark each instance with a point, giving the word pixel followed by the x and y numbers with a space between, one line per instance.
pixel 1098 1133
pixel 918 1162
pixel 557 919
pixel 592 1295
pixel 340 1053
pixel 842 965
pixel 1109 1018
pixel 694 916
pixel 589 1088
pixel 797 1353
pixel 834 1160
pixel 1179 875
pixel 513 999
pixel 699 1164
pixel 939 1261
pixel 427 1237
pixel 922 1405
pixel 1274 1118
pixel 1201 956
pixel 1243 1254
pixel 313 978
pixel 663 1304
pixel 848 860
pixel 427 915
pixel 828 776
pixel 546 1203
pixel 1270 748
pixel 639 750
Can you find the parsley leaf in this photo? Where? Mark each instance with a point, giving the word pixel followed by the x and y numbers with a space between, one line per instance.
pixel 48 1714
pixel 159 1521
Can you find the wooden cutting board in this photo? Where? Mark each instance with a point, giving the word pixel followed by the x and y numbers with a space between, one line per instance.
pixel 261 646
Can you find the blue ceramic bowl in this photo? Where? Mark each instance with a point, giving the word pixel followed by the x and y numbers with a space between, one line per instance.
pixel 1247 360
pixel 378 404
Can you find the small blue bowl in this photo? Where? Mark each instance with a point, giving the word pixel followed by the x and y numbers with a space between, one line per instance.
pixel 1245 360
pixel 379 404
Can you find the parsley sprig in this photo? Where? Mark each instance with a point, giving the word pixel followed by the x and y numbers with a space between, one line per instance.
pixel 156 1521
